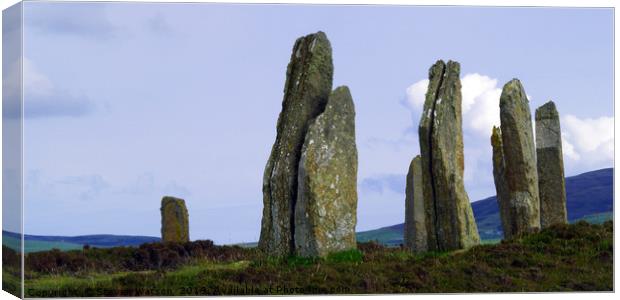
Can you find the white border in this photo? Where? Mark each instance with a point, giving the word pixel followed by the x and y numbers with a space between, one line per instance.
pixel 509 3
pixel 502 3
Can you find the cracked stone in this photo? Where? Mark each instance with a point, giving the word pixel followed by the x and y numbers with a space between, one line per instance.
pixel 307 88
pixel 450 223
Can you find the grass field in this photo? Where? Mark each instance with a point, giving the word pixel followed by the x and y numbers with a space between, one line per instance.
pixel 34 246
pixel 576 257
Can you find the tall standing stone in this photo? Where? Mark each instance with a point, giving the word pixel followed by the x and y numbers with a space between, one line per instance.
pixel 552 188
pixel 415 224
pixel 501 187
pixel 325 213
pixel 174 220
pixel 450 221
pixel 307 88
pixel 519 159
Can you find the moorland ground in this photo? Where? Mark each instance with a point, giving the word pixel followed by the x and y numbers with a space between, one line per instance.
pixel 576 257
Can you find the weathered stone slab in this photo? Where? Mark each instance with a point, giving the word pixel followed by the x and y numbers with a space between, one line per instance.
pixel 450 221
pixel 174 220
pixel 326 210
pixel 501 186
pixel 551 184
pixel 435 75
pixel 519 159
pixel 415 223
pixel 307 88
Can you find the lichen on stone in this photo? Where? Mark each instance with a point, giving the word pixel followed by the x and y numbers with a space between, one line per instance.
pixel 449 218
pixel 174 220
pixel 306 90
pixel 519 161
pixel 326 209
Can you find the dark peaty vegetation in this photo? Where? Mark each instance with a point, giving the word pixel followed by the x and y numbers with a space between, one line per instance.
pixel 577 257
pixel 151 256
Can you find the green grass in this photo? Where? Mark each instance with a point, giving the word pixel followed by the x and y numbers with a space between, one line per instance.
pixel 62 282
pixel 349 256
pixel 93 284
pixel 576 257
pixel 490 241
pixel 11 281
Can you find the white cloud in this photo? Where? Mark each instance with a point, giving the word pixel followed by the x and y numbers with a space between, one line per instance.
pixel 588 143
pixel 568 149
pixel 484 113
pixel 474 88
pixel 480 108
pixel 480 105
pixel 416 94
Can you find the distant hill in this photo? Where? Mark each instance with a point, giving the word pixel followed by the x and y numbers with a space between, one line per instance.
pixel 41 243
pixel 12 241
pixel 589 196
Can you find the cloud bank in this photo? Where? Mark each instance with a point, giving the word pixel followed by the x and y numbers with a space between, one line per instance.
pixel 588 143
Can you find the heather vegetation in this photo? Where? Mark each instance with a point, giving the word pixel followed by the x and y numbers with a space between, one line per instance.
pixel 576 257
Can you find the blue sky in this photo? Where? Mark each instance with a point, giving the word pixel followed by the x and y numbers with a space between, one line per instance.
pixel 127 102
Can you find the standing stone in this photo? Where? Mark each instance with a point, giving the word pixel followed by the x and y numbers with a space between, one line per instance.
pixel 307 88
pixel 326 210
pixel 519 159
pixel 415 224
pixel 501 187
pixel 174 220
pixel 435 75
pixel 450 222
pixel 552 188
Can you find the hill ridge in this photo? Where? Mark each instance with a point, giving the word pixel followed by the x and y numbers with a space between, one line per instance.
pixel 587 194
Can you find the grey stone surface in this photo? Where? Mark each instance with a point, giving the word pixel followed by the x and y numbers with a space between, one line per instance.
pixel 174 220
pixel 326 210
pixel 501 186
pixel 307 88
pixel 415 224
pixel 520 171
pixel 551 182
pixel 449 218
